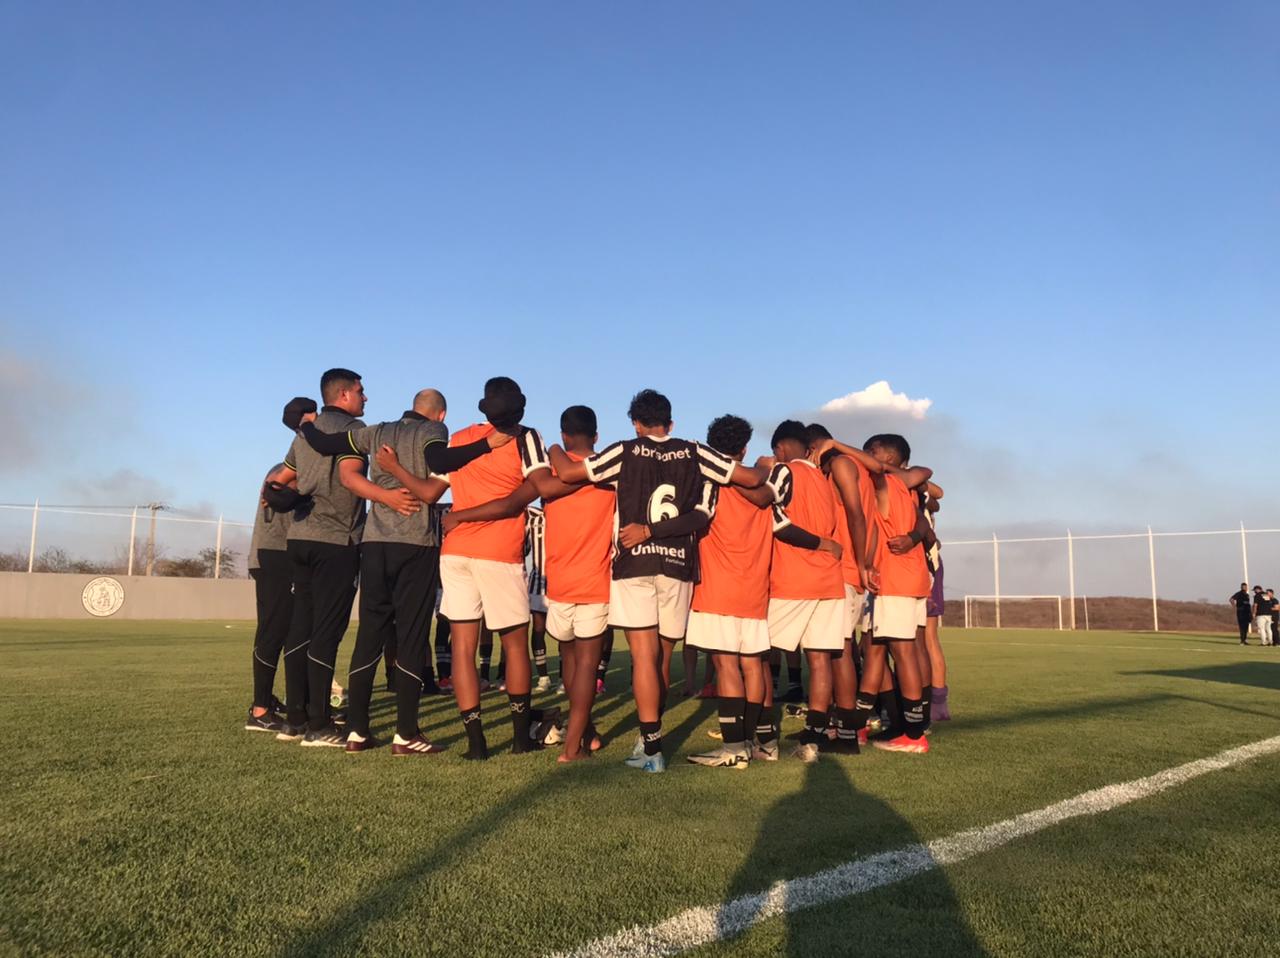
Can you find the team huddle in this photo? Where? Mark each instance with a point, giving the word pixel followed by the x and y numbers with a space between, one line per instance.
pixel 663 538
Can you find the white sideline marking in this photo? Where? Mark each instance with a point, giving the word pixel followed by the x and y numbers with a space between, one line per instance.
pixel 710 923
pixel 1091 648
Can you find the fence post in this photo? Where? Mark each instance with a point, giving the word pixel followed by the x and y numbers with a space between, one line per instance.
pixel 995 560
pixel 1244 553
pixel 1155 611
pixel 133 538
pixel 1071 579
pixel 31 551
pixel 1086 613
pixel 217 552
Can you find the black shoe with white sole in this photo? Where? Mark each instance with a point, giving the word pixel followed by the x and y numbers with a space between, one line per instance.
pixel 270 722
pixel 328 737
pixel 291 733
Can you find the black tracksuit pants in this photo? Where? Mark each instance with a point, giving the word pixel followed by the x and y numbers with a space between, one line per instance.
pixel 1244 621
pixel 324 586
pixel 273 588
pixel 397 601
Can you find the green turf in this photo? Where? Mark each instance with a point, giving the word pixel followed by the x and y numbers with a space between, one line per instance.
pixel 139 818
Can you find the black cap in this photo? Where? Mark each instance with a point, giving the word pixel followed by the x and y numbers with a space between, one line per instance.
pixel 503 402
pixel 295 409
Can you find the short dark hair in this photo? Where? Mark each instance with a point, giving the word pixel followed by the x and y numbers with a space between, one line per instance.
pixel 650 408
pixel 729 434
pixel 815 431
pixel 889 440
pixel 789 429
pixel 579 421
pixel 335 380
pixel 503 402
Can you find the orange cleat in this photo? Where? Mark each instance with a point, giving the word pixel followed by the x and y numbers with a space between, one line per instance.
pixel 903 743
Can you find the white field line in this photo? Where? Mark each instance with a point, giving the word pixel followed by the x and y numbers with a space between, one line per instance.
pixel 1092 648
pixel 711 923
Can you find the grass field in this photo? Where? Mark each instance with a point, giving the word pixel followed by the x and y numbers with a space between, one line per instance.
pixel 140 819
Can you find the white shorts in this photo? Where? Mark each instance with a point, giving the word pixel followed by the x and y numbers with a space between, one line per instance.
pixel 855 606
pixel 648 601
pixel 567 621
pixel 897 617
pixel 727 633
pixel 816 624
pixel 476 589
pixel 538 603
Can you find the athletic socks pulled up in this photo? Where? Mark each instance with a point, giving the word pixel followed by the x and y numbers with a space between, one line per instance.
pixel 892 711
pixel 939 708
pixel 815 727
pixel 538 639
pixel 846 726
pixel 767 725
pixel 751 718
pixel 732 725
pixel 477 748
pixel 864 707
pixel 651 736
pixel 521 717
pixel 913 717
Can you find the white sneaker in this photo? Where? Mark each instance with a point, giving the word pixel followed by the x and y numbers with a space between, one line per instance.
pixel 544 684
pixel 723 757
pixel 765 752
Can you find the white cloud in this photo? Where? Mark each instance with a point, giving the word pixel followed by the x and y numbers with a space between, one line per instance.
pixel 879 396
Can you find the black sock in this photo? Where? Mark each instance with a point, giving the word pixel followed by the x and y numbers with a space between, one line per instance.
pixel 486 657
pixel 794 675
pixel 538 639
pixel 750 718
pixel 520 718
pixel 767 725
pixel 476 747
pixel 888 703
pixel 864 707
pixel 444 657
pixel 925 705
pixel 651 733
pixel 815 727
pixel 775 670
pixel 846 730
pixel 731 720
pixel 913 714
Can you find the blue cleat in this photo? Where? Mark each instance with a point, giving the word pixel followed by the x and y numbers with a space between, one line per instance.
pixel 647 763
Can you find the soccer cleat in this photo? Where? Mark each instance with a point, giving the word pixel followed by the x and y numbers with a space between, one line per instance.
pixel 338 717
pixel 647 763
pixel 327 737
pixel 797 710
pixel 290 733
pixel 560 689
pixel 270 722
pixel 357 743
pixel 840 746
pixel 874 725
pixel 764 751
pixel 599 686
pixel 715 733
pixel 638 749
pixel 862 736
pixel 418 745
pixel 544 684
pixel 807 752
pixel 903 743
pixel 277 706
pixel 446 684
pixel 723 757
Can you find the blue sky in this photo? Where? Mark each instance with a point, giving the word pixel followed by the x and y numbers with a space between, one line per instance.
pixel 1058 223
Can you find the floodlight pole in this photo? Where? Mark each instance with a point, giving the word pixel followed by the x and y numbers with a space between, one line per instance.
pixel 1244 553
pixel 217 552
pixel 31 551
pixel 995 559
pixel 1071 578
pixel 133 538
pixel 1151 551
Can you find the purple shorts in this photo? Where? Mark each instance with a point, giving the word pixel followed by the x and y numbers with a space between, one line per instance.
pixel 935 603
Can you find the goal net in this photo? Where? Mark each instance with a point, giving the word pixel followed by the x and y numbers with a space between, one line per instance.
pixel 1013 612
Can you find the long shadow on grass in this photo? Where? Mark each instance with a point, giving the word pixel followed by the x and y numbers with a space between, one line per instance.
pixel 887 897
pixel 1257 675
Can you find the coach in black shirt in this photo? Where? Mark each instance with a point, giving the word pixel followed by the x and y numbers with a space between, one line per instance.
pixel 1244 613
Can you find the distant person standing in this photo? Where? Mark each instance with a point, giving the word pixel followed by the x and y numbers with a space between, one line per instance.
pixel 1263 603
pixel 1244 611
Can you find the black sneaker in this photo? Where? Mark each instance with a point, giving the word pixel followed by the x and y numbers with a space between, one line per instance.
pixel 328 737
pixel 278 706
pixel 291 733
pixel 263 723
pixel 337 717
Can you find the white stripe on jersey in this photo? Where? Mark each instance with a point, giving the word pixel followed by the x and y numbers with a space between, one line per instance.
pixel 780 519
pixel 714 465
pixel 535 550
pixel 605 465
pixel 780 483
pixel 533 455
pixel 707 501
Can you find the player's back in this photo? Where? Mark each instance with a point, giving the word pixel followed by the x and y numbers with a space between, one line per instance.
pixel 659 479
pixel 579 544
pixel 906 574
pixel 733 559
pixel 807 573
pixel 491 476
pixel 333 513
pixel 844 535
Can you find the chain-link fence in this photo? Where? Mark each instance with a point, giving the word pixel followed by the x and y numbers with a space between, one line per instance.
pixel 151 539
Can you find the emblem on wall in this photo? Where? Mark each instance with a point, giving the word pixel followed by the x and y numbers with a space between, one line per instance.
pixel 103 596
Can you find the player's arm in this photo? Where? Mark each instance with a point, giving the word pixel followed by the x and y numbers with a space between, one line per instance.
pixel 351 474
pixel 332 443
pixel 864 459
pixel 912 477
pixel 722 470
pixel 934 490
pixel 600 467
pixel 567 469
pixel 536 465
pixel 900 545
pixel 428 489
pixel 870 574
pixel 509 506
pixel 784 530
pixel 443 458
pixel 684 524
pixel 845 476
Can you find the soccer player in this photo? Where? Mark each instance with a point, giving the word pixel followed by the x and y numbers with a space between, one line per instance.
pixel 807 608
pixel 664 495
pixel 899 576
pixel 272 579
pixel 1243 606
pixel 535 570
pixel 482 563
pixel 934 607
pixel 578 542
pixel 324 549
pixel 729 613
pixel 845 473
pixel 398 561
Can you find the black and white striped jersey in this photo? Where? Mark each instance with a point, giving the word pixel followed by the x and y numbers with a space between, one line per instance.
pixel 657 479
pixel 535 550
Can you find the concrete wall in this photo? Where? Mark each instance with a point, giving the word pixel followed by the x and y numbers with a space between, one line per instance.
pixel 53 595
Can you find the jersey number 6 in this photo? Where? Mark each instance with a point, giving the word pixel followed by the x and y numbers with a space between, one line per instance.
pixel 662 504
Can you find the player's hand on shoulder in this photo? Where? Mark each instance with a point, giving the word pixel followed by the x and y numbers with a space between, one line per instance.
pixel 499 439
pixel 633 534
pixel 766 462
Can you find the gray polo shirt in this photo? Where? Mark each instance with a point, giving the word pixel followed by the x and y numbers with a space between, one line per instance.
pixel 270 532
pixel 335 514
pixel 409 436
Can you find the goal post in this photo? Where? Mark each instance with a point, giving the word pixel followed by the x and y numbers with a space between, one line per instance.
pixel 973 602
